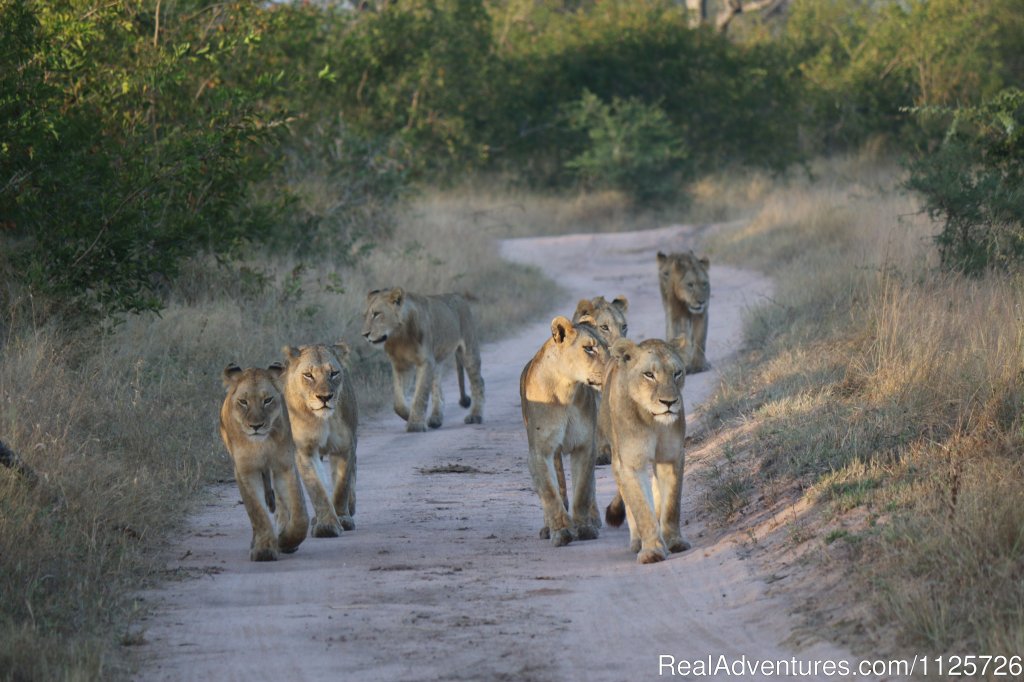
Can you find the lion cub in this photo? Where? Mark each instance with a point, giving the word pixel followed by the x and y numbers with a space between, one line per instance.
pixel 419 333
pixel 322 409
pixel 560 414
pixel 254 428
pixel 685 292
pixel 643 407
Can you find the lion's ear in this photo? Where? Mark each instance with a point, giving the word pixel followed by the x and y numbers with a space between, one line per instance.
pixel 397 295
pixel 584 307
pixel 230 374
pixel 682 346
pixel 562 329
pixel 276 369
pixel 373 292
pixel 621 302
pixel 623 350
pixel 705 261
pixel 290 353
pixel 342 350
pixel 662 258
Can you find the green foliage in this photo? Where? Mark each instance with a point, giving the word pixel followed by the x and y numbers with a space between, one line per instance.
pixel 865 62
pixel 974 184
pixel 121 150
pixel 632 147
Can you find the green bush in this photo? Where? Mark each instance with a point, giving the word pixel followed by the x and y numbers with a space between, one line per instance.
pixel 122 151
pixel 632 147
pixel 974 184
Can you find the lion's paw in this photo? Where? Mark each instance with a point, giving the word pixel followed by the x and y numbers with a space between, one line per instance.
pixel 402 412
pixel 474 419
pixel 326 530
pixel 347 522
pixel 634 545
pixel 465 401
pixel 650 556
pixel 586 532
pixel 435 421
pixel 560 538
pixel 263 554
pixel 545 533
pixel 677 544
pixel 416 427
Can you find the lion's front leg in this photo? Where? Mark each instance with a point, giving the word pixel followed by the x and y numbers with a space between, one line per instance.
pixel 421 394
pixel 699 338
pixel 635 486
pixel 556 520
pixel 670 487
pixel 264 543
pixel 399 380
pixel 292 517
pixel 326 523
pixel 437 404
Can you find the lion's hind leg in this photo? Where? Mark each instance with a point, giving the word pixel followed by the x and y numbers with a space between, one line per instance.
pixel 556 520
pixel 584 505
pixel 471 358
pixel 344 498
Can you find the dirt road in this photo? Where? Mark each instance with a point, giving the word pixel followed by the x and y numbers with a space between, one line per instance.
pixel 444 577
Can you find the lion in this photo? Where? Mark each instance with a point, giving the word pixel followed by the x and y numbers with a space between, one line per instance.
pixel 255 429
pixel 643 406
pixel 322 409
pixel 420 332
pixel 609 320
pixel 560 413
pixel 685 290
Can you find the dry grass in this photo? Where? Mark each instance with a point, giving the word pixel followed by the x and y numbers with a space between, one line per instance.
pixel 121 426
pixel 882 388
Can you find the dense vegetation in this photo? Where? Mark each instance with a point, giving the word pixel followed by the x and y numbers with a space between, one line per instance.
pixel 193 157
pixel 135 134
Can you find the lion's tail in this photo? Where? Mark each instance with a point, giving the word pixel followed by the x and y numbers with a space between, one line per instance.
pixel 615 512
pixel 268 492
pixel 460 372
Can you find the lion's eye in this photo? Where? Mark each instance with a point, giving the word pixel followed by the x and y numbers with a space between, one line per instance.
pixel 649 375
pixel 624 328
pixel 589 350
pixel 243 403
pixel 334 373
pixel 267 401
pixel 308 376
pixel 604 327
pixel 375 315
pixel 678 374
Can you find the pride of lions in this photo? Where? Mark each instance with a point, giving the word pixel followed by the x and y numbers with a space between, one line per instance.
pixel 589 393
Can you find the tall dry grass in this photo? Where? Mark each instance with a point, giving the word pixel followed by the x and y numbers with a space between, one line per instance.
pixel 120 425
pixel 879 384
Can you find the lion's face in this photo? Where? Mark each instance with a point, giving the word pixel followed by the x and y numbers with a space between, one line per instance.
pixel 607 318
pixel 254 399
pixel 686 276
pixel 315 374
pixel 583 355
pixel 654 375
pixel 383 314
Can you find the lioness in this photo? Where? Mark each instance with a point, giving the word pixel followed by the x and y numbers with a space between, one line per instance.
pixel 255 430
pixel 322 410
pixel 685 290
pixel 560 412
pixel 643 406
pixel 419 333
pixel 609 320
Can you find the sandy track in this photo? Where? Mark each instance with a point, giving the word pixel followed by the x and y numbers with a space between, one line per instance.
pixel 444 577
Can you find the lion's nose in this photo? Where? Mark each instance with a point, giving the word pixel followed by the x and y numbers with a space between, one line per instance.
pixel 668 403
pixel 256 427
pixel 325 398
pixel 366 335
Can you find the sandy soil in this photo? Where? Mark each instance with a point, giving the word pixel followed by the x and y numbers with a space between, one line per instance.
pixel 444 577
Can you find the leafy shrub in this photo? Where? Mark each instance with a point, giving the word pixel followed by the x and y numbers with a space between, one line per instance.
pixel 974 184
pixel 632 147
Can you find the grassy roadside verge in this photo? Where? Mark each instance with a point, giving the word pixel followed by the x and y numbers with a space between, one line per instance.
pixel 877 414
pixel 121 426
